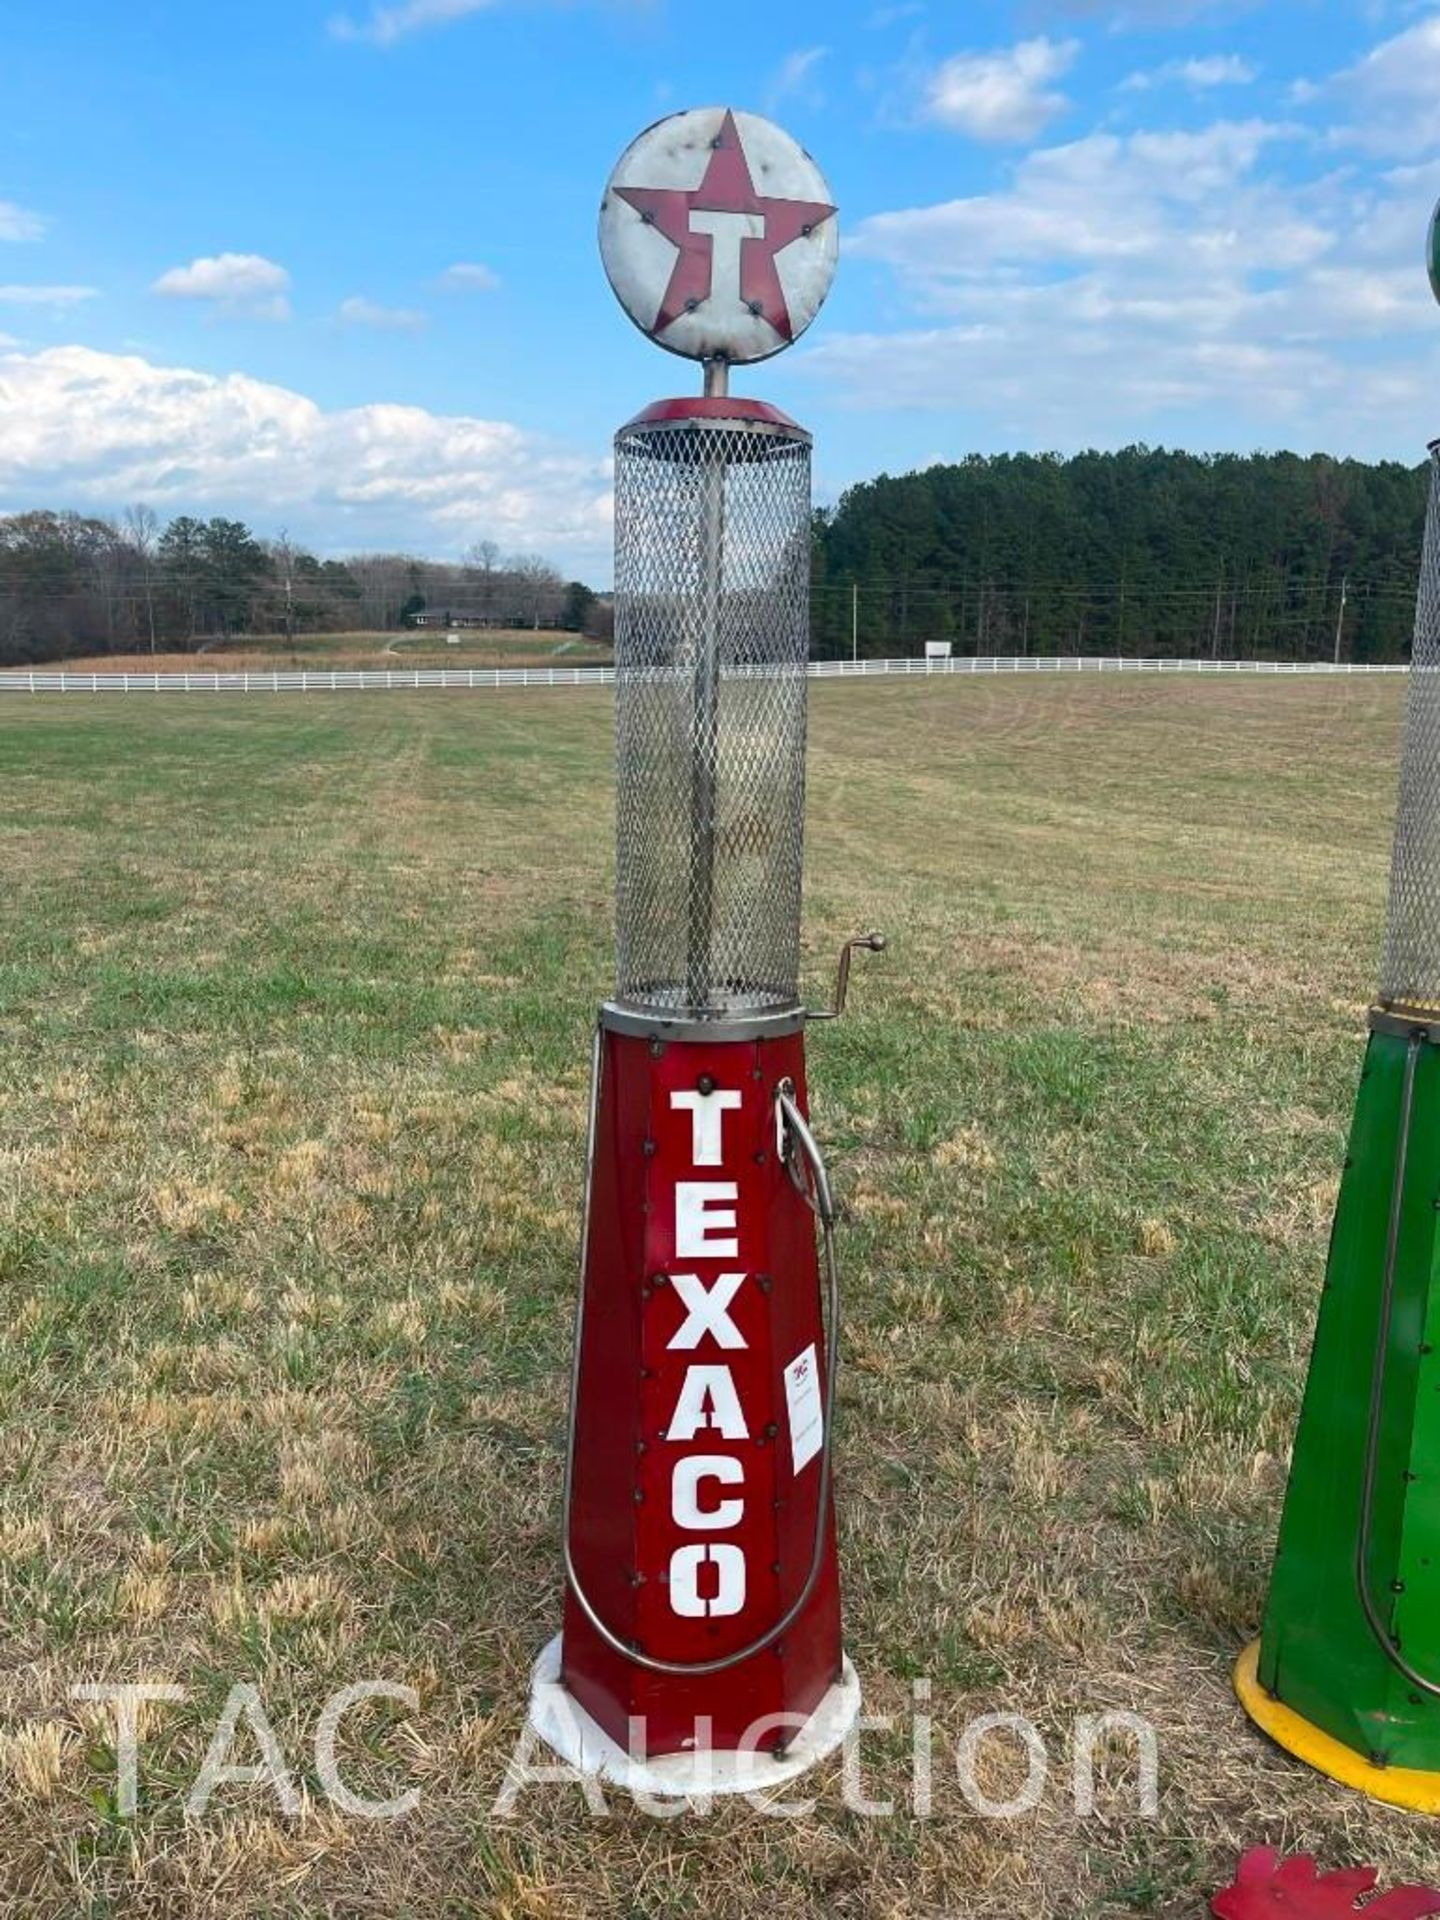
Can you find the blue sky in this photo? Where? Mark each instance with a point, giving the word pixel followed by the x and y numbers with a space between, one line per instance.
pixel 229 238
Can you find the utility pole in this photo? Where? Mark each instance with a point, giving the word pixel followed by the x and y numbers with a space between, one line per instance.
pixel 287 561
pixel 854 622
pixel 1340 620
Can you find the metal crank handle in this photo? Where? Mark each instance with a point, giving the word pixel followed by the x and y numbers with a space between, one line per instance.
pixel 863 942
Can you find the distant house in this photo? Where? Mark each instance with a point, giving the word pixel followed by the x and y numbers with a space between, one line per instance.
pixel 445 617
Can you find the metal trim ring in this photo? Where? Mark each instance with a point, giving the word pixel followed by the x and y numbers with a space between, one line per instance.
pixel 1405 1023
pixel 745 439
pixel 781 429
pixel 717 410
pixel 618 1018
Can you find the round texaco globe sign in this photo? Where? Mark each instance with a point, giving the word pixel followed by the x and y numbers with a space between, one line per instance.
pixel 1432 252
pixel 719 235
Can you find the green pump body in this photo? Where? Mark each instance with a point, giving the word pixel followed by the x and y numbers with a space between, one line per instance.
pixel 1352 1628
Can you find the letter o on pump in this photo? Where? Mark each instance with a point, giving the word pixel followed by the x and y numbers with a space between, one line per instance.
pixel 728 1563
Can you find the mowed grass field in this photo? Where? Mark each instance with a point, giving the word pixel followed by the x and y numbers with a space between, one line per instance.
pixel 295 1001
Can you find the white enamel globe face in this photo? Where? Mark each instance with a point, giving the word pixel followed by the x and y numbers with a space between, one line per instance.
pixel 718 235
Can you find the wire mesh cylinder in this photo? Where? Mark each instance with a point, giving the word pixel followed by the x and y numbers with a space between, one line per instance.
pixel 1411 973
pixel 712 573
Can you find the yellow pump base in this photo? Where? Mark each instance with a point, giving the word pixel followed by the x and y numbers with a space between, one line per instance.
pixel 1398 1786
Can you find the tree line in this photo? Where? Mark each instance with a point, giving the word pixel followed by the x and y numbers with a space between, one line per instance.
pixel 72 584
pixel 1141 552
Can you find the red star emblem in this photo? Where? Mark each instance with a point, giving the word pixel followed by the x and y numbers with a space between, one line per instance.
pixel 726 188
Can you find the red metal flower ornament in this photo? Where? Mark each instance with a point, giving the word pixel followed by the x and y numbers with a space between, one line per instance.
pixel 1266 1887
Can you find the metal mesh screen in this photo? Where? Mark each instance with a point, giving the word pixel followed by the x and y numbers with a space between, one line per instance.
pixel 712 574
pixel 1411 974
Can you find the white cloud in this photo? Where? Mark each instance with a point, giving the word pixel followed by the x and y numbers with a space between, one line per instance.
pixel 468 276
pixel 1200 75
pixel 1103 198
pixel 18 223
pixel 794 78
pixel 37 296
pixel 241 283
pixel 360 312
pixel 384 25
pixel 1150 286
pixel 1387 100
pixel 1005 95
pixel 99 429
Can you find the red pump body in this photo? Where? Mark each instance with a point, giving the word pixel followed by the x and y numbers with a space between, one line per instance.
pixel 700 1417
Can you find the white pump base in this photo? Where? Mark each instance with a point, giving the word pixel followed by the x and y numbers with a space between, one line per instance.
pixel 560 1720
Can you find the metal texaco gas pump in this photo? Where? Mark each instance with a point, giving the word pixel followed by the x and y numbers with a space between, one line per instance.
pixel 701 1646
pixel 1346 1672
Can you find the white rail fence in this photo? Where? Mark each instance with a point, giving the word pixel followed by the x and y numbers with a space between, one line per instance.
pixel 412 679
